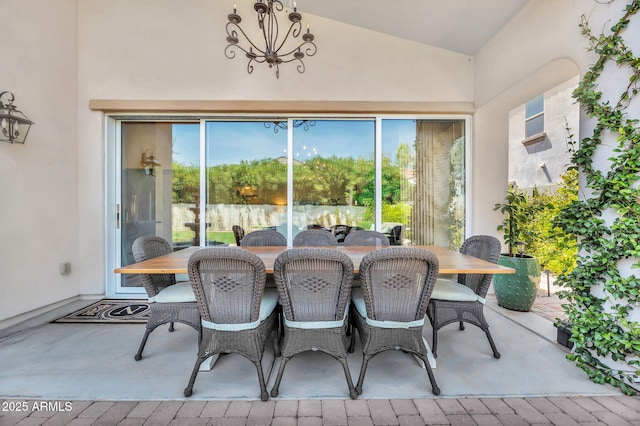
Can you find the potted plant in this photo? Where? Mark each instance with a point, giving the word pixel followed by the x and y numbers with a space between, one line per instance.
pixel 517 291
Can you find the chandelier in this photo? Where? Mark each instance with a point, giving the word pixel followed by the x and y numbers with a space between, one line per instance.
pixel 271 49
pixel 282 125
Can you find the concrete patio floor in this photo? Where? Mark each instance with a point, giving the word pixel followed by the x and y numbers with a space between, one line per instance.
pixel 95 362
pixel 74 375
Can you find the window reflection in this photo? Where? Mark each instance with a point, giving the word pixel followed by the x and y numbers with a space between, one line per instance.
pixel 333 176
pixel 423 187
pixel 246 178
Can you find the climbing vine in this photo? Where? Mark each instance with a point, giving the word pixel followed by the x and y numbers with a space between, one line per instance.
pixel 600 292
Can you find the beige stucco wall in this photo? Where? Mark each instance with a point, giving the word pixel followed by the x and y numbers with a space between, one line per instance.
pixel 39 180
pixel 539 49
pixel 159 49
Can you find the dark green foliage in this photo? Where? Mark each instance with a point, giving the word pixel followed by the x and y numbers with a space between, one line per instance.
pixel 599 294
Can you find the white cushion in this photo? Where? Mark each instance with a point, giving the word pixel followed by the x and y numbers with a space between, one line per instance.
pixel 177 293
pixel 267 305
pixel 316 324
pixel 450 290
pixel 358 302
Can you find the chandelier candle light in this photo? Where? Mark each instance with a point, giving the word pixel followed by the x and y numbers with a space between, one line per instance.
pixel 274 51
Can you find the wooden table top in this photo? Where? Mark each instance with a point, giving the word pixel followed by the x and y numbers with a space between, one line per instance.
pixel 451 261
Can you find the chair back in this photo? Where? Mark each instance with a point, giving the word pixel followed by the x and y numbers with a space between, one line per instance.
pixel 366 238
pixel 238 233
pixel 340 232
pixel 228 283
pixel 397 282
pixel 264 237
pixel 314 237
pixel 148 247
pixel 395 235
pixel 485 247
pixel 314 284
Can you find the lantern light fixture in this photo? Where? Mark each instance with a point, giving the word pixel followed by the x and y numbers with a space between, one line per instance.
pixel 149 162
pixel 14 125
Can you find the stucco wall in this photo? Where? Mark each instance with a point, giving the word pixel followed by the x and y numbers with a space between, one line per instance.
pixel 525 161
pixel 39 180
pixel 538 49
pixel 162 49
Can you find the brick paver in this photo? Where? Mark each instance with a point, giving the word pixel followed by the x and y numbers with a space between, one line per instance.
pixel 566 411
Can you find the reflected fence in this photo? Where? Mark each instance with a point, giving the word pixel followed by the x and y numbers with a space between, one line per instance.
pixel 222 217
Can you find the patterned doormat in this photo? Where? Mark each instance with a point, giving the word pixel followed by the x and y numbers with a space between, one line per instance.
pixel 110 311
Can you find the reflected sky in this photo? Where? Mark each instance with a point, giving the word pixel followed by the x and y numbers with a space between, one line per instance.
pixel 229 142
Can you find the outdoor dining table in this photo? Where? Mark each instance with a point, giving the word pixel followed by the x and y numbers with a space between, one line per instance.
pixel 451 261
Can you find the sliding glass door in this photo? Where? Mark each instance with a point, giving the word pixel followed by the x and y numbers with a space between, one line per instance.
pixel 206 182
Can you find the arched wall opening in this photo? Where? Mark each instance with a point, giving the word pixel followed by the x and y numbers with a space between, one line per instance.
pixel 490 129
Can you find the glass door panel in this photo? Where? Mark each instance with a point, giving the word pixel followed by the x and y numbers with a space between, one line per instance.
pixel 423 181
pixel 333 175
pixel 246 178
pixel 155 182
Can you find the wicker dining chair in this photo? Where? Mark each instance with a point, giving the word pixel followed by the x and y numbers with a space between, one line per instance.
pixel 395 235
pixel 340 232
pixel 314 285
pixel 238 314
pixel 389 309
pixel 463 300
pixel 264 237
pixel 170 302
pixel 314 238
pixel 238 233
pixel 366 238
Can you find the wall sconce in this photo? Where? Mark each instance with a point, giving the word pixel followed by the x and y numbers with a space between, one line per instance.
pixel 149 162
pixel 13 123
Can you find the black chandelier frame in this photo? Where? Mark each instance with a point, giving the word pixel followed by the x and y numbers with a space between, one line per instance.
pixel 274 51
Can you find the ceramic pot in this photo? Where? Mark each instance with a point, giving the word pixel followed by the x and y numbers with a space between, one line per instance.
pixel 517 291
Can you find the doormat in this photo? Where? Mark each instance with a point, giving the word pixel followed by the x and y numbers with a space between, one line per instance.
pixel 110 311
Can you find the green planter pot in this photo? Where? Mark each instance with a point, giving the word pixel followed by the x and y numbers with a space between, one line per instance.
pixel 517 291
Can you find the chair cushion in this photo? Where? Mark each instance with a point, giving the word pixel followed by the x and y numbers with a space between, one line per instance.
pixel 177 293
pixel 450 290
pixel 267 305
pixel 358 302
pixel 317 324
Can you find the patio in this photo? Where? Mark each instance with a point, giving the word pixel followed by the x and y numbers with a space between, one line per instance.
pixel 95 362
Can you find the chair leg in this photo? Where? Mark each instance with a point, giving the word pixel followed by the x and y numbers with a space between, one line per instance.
pixel 363 371
pixel 188 391
pixel 434 386
pixel 264 395
pixel 352 391
pixel 171 327
pixel 461 325
pixel 138 355
pixel 352 326
pixel 434 349
pixel 276 386
pixel 433 317
pixel 496 354
pixel 276 344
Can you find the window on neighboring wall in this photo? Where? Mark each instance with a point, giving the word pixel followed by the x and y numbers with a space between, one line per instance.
pixel 534 117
